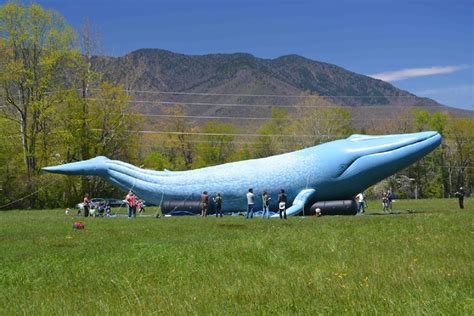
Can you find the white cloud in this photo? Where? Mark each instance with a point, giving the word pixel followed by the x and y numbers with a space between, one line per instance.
pixel 417 72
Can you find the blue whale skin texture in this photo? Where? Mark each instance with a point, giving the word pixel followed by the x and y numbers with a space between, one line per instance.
pixel 336 170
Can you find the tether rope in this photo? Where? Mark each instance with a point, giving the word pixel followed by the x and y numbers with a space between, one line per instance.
pixel 33 193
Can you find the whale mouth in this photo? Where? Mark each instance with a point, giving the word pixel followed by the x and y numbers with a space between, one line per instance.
pixel 94 166
pixel 419 145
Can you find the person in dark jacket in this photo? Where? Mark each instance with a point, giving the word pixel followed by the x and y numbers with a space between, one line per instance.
pixel 282 199
pixel 460 195
pixel 265 204
pixel 218 204
pixel 390 199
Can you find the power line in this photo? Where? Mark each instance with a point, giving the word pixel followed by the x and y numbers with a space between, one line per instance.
pixel 328 106
pixel 229 134
pixel 261 95
pixel 241 94
pixel 262 118
pixel 247 134
pixel 329 137
pixel 249 105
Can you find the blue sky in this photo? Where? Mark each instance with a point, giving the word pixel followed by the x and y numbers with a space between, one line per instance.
pixel 425 47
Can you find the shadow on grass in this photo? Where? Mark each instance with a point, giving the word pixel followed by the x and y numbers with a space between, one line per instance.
pixel 232 226
pixel 405 212
pixel 390 213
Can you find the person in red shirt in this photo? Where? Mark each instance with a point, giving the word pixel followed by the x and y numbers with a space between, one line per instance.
pixel 86 204
pixel 131 200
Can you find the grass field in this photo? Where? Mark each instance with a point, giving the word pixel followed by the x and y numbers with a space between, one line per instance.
pixel 415 262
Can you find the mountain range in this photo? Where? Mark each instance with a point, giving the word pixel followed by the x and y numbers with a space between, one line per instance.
pixel 240 84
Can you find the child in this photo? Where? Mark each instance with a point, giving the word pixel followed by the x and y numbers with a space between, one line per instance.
pixel 107 209
pixel 141 206
pixel 101 209
pixel 385 202
pixel 92 211
pixel 317 212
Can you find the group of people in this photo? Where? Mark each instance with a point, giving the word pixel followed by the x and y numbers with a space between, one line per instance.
pixel 217 199
pixel 387 198
pixel 133 203
pixel 103 208
pixel 282 200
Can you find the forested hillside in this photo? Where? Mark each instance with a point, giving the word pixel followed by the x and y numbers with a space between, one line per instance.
pixel 239 73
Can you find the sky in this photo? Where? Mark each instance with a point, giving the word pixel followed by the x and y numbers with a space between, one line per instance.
pixel 423 46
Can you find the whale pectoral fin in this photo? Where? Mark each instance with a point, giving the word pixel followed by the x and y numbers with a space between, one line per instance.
pixel 299 202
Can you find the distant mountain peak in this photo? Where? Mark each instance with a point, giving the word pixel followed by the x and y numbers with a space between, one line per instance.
pixel 243 73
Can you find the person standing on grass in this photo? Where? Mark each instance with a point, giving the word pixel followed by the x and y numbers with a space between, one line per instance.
pixel 360 203
pixel 282 199
pixel 389 199
pixel 250 203
pixel 86 204
pixel 141 207
pixel 218 203
pixel 204 203
pixel 460 195
pixel 385 202
pixel 265 204
pixel 107 209
pixel 131 200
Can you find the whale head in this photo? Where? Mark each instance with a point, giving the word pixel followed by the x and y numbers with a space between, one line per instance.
pixel 362 160
pixel 94 167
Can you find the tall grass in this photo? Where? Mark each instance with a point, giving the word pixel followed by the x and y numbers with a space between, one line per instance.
pixel 418 261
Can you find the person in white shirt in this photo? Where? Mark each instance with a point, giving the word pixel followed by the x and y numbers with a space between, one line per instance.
pixel 250 203
pixel 360 199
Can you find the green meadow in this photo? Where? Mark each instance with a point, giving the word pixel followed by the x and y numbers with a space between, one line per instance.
pixel 419 260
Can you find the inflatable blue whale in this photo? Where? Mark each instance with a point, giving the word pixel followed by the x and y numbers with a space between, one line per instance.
pixel 336 170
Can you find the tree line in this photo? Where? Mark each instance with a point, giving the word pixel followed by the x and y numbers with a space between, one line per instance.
pixel 56 109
